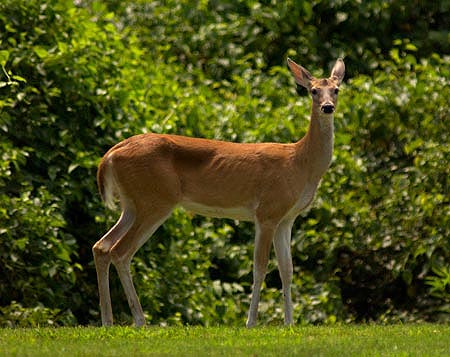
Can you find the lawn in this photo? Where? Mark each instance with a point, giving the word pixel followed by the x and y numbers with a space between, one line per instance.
pixel 341 340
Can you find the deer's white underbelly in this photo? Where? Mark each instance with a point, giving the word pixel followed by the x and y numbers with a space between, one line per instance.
pixel 238 213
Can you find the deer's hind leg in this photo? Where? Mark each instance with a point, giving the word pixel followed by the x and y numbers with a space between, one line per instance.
pixel 124 249
pixel 102 258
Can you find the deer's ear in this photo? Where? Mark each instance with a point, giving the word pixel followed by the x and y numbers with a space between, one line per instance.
pixel 338 71
pixel 301 75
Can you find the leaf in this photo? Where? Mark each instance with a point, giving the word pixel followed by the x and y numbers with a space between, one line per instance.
pixel 411 47
pixel 40 51
pixel 64 255
pixel 21 243
pixel 4 55
pixel 18 78
pixel 72 167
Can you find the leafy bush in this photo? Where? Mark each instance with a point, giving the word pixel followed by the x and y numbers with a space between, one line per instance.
pixel 226 37
pixel 15 315
pixel 394 212
pixel 51 115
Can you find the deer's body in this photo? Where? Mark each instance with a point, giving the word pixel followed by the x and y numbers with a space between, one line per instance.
pixel 181 168
pixel 267 183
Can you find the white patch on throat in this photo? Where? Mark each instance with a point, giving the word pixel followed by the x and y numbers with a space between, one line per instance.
pixel 326 124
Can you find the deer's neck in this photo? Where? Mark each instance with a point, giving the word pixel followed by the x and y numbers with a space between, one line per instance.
pixel 318 143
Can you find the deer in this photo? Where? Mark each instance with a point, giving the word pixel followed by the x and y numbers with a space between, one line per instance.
pixel 269 184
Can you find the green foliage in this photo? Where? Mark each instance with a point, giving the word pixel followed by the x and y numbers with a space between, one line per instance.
pixel 224 37
pixel 396 221
pixel 15 315
pixel 440 286
pixel 50 121
pixel 76 79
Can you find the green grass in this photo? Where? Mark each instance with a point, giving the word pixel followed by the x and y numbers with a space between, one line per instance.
pixel 342 340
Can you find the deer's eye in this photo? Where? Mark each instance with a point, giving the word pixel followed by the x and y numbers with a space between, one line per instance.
pixel 336 91
pixel 314 91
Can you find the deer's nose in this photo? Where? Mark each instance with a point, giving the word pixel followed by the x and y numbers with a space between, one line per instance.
pixel 327 108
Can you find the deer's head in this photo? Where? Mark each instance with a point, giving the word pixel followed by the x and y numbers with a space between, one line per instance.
pixel 324 91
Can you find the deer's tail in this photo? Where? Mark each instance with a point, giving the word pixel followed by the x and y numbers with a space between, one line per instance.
pixel 106 182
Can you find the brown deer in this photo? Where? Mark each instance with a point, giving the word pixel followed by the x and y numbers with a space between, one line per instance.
pixel 266 183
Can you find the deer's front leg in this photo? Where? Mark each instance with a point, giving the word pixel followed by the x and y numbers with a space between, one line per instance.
pixel 263 241
pixel 282 244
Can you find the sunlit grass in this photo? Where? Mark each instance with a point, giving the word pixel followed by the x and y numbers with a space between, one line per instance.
pixel 344 340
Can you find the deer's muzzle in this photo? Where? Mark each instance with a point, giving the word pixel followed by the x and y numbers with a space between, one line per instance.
pixel 327 108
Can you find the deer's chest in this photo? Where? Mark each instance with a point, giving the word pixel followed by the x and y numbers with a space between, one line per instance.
pixel 304 200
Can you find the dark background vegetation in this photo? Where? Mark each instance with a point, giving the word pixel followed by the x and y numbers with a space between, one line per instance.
pixel 78 76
